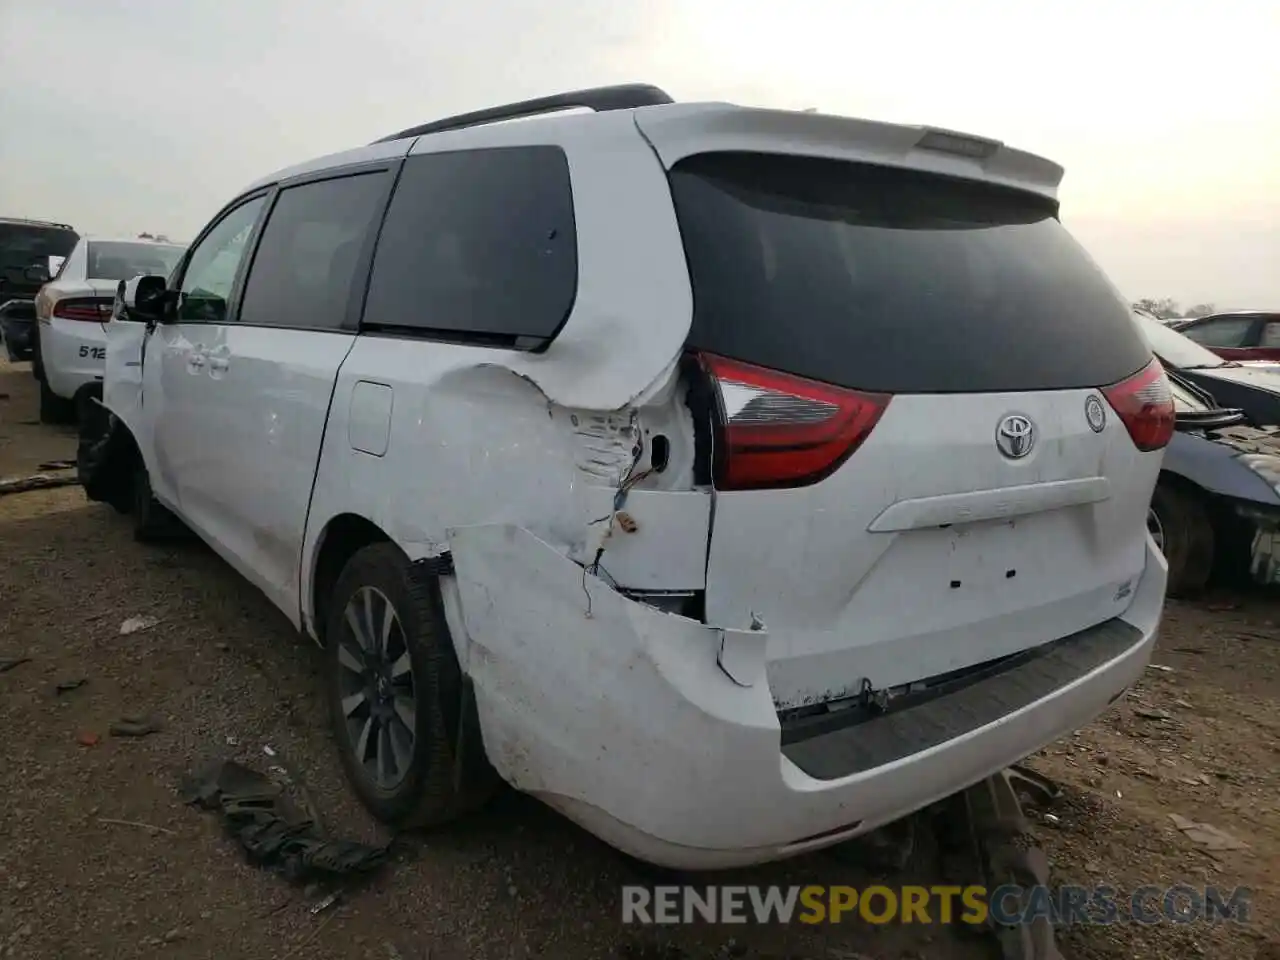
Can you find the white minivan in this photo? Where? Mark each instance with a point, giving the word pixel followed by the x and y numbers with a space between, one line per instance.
pixel 733 480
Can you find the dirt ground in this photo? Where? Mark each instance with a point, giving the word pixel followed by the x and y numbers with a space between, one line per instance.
pixel 99 857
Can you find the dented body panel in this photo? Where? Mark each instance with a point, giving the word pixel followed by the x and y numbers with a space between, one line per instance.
pixel 480 435
pixel 621 717
pixel 566 496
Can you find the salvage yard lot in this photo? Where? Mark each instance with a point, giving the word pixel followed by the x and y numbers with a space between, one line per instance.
pixel 99 858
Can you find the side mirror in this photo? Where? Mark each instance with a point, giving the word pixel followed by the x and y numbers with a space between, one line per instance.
pixel 143 299
pixel 36 274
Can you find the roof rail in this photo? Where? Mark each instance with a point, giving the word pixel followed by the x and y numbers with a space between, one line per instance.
pixel 623 96
pixel 36 223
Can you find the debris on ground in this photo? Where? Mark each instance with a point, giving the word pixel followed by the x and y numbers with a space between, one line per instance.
pixel 87 738
pixel 57 465
pixel 134 823
pixel 134 725
pixel 137 624
pixel 1207 835
pixel 66 686
pixel 8 663
pixel 325 902
pixel 1000 836
pixel 270 830
pixel 39 481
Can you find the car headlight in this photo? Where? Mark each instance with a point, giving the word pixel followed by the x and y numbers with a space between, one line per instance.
pixel 1265 465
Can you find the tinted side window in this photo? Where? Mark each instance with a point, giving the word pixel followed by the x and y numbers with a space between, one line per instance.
pixel 211 272
pixel 1220 333
pixel 302 273
pixel 478 243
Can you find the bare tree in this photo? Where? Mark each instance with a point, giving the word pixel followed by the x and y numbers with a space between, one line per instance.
pixel 1200 310
pixel 1165 308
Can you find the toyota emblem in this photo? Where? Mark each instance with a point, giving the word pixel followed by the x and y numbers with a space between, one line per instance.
pixel 1095 414
pixel 1015 436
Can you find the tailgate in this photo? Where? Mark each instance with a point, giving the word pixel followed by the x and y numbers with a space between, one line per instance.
pixel 977 492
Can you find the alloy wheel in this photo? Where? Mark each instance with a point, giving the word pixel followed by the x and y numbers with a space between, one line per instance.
pixel 375 683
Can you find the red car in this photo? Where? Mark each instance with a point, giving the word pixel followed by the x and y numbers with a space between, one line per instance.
pixel 1242 335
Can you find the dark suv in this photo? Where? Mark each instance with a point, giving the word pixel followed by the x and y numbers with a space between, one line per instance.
pixel 26 247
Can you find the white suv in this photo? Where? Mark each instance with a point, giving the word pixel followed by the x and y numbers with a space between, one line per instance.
pixel 735 481
pixel 70 310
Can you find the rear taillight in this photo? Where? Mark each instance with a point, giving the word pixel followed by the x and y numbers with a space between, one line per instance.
pixel 1144 403
pixel 778 430
pixel 83 308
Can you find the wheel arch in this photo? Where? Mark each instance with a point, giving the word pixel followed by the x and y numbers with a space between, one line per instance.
pixel 339 539
pixel 105 467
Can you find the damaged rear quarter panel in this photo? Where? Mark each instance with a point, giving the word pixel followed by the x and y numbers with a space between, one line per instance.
pixel 580 691
pixel 487 435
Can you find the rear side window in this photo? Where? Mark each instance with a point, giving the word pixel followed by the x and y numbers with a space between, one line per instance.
pixel 1229 332
pixel 478 245
pixel 304 269
pixel 895 281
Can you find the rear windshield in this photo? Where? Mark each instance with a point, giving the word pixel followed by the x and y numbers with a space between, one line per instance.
pixel 894 281
pixel 23 245
pixel 114 260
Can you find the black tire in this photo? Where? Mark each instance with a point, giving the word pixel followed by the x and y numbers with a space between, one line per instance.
pixel 152 521
pixel 1184 525
pixel 431 788
pixel 103 460
pixel 53 408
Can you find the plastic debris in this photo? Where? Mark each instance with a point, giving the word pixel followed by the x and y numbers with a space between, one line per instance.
pixel 66 686
pixel 271 831
pixel 134 726
pixel 137 624
pixel 8 663
pixel 324 903
pixel 1206 834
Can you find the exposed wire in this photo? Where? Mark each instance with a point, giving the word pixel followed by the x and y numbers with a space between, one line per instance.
pixel 629 480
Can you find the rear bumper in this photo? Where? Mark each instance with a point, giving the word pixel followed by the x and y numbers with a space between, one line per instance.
pixel 72 354
pixel 625 722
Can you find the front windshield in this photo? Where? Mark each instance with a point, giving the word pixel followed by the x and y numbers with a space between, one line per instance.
pixel 1173 349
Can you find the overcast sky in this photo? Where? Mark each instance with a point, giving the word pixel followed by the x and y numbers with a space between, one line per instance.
pixel 126 115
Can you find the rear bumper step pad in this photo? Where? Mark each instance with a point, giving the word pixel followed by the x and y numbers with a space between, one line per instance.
pixel 880 740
